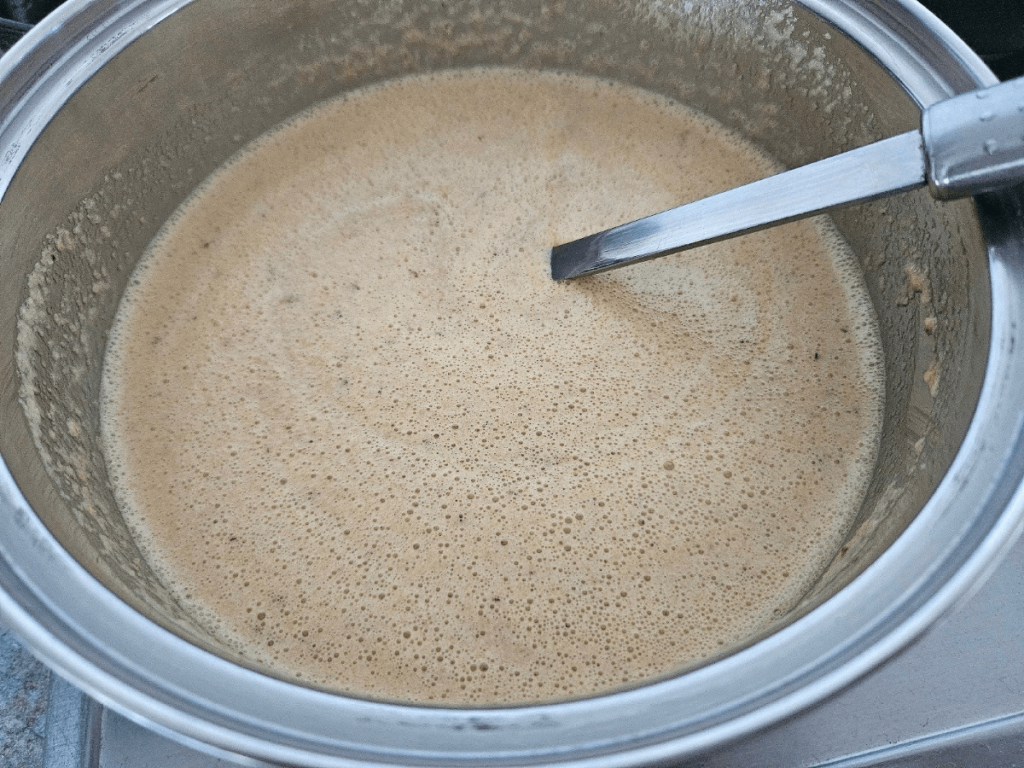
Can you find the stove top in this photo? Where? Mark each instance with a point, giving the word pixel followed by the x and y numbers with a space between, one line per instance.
pixel 955 698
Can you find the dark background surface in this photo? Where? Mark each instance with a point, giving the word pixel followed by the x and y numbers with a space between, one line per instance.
pixel 993 28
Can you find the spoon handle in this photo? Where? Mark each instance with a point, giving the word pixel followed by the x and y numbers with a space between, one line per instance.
pixel 968 144
pixel 865 173
pixel 975 142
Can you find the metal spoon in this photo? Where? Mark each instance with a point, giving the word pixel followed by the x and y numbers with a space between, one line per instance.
pixel 969 144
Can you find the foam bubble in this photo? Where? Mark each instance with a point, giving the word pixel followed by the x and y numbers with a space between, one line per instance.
pixel 375 448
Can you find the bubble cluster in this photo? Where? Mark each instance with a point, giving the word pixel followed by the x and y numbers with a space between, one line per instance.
pixel 374 447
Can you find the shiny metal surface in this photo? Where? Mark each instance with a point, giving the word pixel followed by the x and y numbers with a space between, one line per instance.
pixel 967 145
pixel 112 111
pixel 867 173
pixel 73 724
pixel 975 142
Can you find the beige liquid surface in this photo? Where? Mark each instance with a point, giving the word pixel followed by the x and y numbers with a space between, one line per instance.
pixel 375 448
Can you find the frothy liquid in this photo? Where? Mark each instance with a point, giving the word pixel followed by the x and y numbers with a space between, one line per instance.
pixel 374 447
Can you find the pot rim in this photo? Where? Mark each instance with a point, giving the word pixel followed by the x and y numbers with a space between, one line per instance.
pixel 153 677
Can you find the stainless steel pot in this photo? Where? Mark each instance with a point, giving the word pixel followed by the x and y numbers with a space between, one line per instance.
pixel 112 111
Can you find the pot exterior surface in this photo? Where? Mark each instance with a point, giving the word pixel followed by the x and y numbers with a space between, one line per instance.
pixel 112 112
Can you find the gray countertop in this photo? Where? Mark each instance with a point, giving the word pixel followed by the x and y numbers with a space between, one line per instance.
pixel 24 693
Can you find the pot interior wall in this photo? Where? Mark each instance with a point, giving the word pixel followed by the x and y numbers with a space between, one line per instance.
pixel 131 144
